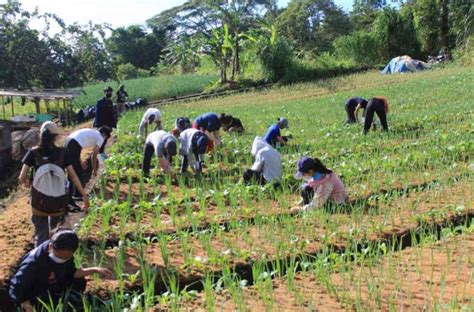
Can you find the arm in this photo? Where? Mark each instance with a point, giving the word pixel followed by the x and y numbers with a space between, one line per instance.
pixel 281 140
pixel 213 136
pixel 23 178
pixel 103 272
pixel 321 196
pixel 95 152
pixel 73 176
pixel 165 164
pixel 356 112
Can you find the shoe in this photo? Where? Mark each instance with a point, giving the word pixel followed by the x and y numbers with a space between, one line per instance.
pixel 73 207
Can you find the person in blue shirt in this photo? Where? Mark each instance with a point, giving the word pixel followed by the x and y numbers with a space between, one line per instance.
pixel 105 112
pixel 210 124
pixel 274 136
pixel 351 105
pixel 48 273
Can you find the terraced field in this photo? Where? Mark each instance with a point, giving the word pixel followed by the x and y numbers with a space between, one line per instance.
pixel 404 242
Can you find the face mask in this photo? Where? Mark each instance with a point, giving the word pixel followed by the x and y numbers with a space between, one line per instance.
pixel 317 176
pixel 57 260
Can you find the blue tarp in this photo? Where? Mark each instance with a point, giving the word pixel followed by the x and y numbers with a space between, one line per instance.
pixel 404 64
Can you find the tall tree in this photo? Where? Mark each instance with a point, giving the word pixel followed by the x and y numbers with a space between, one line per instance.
pixel 313 24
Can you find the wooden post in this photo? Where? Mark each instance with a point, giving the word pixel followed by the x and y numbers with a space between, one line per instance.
pixel 58 108
pixel 46 102
pixel 66 112
pixel 37 102
pixel 13 109
pixel 3 108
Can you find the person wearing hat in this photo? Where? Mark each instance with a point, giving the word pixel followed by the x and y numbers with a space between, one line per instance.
pixel 209 123
pixel 181 124
pixel 164 145
pixel 152 115
pixel 351 105
pixel 194 144
pixel 105 113
pixel 48 152
pixel 376 105
pixel 121 99
pixel 84 139
pixel 322 185
pixel 48 273
pixel 273 135
pixel 267 165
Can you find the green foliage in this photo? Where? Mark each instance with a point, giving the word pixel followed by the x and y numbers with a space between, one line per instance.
pixel 276 56
pixel 313 24
pixel 128 71
pixel 362 47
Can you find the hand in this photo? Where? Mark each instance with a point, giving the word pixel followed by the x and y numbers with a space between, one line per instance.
pixel 26 306
pixel 104 273
pixel 85 199
pixel 296 210
pixel 83 164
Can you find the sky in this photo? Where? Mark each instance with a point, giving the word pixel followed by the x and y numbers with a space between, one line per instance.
pixel 116 12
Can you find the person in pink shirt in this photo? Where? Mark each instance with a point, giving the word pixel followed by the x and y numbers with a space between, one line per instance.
pixel 322 185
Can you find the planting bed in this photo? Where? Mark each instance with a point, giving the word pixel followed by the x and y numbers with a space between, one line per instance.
pixel 178 242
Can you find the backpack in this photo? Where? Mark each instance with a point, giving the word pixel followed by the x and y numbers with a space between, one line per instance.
pixel 48 191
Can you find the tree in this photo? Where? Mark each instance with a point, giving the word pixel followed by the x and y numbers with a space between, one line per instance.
pixel 364 12
pixel 136 46
pixel 313 24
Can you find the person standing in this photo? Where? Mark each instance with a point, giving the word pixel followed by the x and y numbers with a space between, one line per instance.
pixel 376 105
pixel 209 123
pixel 49 199
pixel 48 273
pixel 351 105
pixel 151 116
pixel 105 113
pixel 164 145
pixel 122 96
pixel 194 144
pixel 75 143
pixel 267 166
pixel 322 185
pixel 273 135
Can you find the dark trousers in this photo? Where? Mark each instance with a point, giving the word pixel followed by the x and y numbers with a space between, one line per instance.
pixel 148 151
pixel 307 193
pixel 74 150
pixel 44 226
pixel 102 148
pixel 375 106
pixel 251 175
pixel 350 110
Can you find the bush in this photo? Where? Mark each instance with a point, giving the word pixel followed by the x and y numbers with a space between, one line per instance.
pixel 362 47
pixel 276 58
pixel 128 71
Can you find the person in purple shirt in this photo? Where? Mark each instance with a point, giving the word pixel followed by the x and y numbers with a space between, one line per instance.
pixel 274 136
pixel 209 123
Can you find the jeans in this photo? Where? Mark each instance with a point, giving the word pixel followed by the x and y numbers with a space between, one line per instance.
pixel 148 151
pixel 251 175
pixel 375 106
pixel 43 226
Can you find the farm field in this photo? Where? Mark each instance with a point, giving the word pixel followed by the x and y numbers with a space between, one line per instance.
pixel 405 240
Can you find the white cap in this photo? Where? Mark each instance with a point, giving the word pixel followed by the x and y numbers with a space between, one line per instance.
pixel 51 127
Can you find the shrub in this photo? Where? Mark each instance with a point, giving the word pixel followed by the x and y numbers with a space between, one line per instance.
pixel 128 71
pixel 362 47
pixel 276 58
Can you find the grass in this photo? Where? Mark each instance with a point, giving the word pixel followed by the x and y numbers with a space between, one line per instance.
pixel 170 234
pixel 152 88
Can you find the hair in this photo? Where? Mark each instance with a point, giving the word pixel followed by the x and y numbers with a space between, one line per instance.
pixel 105 130
pixel 64 239
pixel 226 119
pixel 318 166
pixel 47 141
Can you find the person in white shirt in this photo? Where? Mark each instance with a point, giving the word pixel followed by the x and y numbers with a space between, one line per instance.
pixel 152 115
pixel 82 139
pixel 267 166
pixel 193 147
pixel 164 145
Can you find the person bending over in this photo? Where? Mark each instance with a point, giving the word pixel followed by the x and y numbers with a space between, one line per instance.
pixel 164 145
pixel 267 166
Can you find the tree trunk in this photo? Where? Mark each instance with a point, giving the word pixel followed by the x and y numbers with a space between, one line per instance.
pixel 235 60
pixel 444 27
pixel 224 70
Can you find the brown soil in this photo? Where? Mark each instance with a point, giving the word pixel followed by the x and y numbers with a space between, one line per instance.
pixel 308 235
pixel 415 279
